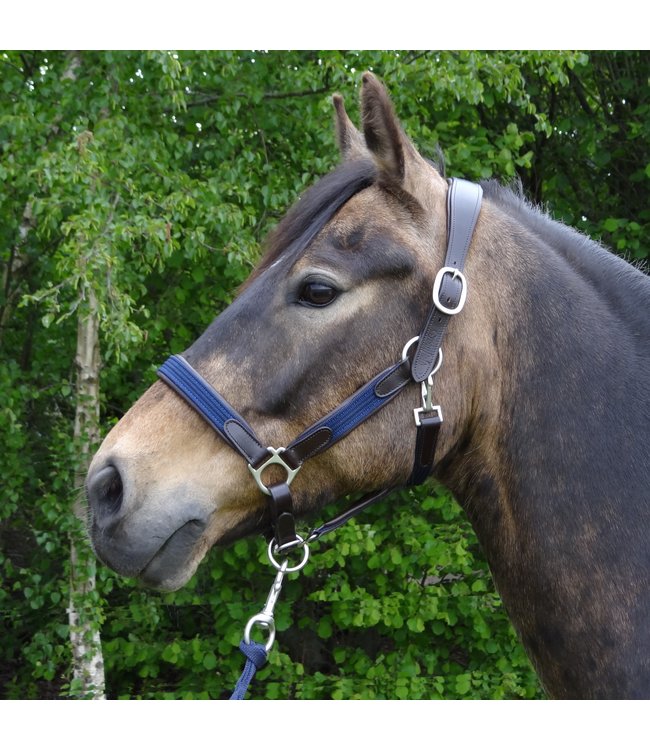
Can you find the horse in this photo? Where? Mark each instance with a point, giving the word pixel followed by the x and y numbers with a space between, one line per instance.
pixel 544 389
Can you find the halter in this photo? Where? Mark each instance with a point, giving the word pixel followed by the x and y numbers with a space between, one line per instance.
pixel 449 294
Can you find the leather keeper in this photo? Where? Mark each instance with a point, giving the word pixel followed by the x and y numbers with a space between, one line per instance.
pixel 425 447
pixel 281 511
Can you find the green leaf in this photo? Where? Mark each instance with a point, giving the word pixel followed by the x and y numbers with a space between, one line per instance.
pixel 324 628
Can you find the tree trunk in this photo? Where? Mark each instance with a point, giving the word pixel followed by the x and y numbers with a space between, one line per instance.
pixel 13 270
pixel 88 663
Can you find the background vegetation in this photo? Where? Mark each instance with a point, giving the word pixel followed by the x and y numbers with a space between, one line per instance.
pixel 149 180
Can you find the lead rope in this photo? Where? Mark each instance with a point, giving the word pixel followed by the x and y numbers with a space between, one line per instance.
pixel 257 653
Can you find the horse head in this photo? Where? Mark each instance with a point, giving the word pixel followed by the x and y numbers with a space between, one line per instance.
pixel 345 282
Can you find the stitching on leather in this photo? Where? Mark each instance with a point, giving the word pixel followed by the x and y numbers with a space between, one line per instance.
pixel 230 430
pixel 327 436
pixel 398 386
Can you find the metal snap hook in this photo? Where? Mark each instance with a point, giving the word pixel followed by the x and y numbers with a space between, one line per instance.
pixel 264 621
pixel 265 618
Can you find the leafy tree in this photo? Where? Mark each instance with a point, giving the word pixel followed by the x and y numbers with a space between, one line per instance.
pixel 137 188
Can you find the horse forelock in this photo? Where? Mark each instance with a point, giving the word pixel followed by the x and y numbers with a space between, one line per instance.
pixel 312 211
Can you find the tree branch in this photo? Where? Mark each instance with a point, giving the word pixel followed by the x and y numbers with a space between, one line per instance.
pixel 13 65
pixel 267 95
pixel 579 91
pixel 415 57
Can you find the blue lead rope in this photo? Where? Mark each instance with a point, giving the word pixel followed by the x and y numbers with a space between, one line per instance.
pixel 256 656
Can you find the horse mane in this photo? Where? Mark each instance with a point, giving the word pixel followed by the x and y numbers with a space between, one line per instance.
pixel 623 284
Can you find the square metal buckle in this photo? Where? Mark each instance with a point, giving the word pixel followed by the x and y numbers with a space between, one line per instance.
pixel 434 409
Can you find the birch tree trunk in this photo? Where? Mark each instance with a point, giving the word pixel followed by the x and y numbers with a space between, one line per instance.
pixel 88 663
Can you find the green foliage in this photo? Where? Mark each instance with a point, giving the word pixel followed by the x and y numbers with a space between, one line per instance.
pixel 153 177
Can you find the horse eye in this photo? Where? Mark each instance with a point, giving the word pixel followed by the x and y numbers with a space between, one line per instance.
pixel 317 294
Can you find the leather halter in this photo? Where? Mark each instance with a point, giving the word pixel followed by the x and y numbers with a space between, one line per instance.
pixel 449 293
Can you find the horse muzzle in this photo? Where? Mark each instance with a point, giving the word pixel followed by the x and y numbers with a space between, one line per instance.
pixel 162 549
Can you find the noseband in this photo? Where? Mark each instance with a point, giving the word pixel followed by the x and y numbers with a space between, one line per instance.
pixel 449 293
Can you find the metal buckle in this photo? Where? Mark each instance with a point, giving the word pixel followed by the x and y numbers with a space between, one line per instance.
pixel 275 458
pixel 456 274
pixel 417 412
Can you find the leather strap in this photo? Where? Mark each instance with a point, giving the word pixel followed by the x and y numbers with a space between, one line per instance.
pixel 281 510
pixel 369 499
pixel 217 412
pixel 368 400
pixel 426 440
pixel 463 207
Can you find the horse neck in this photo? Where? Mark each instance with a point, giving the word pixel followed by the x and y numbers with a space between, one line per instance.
pixel 552 465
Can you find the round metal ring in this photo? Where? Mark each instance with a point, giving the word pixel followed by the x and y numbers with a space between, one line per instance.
pixel 408 345
pixel 438 362
pixel 279 566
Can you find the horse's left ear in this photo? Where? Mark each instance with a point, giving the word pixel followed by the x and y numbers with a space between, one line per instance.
pixel 397 158
pixel 350 140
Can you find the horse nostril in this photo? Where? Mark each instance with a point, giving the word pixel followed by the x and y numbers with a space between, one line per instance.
pixel 105 491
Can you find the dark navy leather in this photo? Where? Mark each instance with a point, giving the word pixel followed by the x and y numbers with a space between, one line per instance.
pixel 463 207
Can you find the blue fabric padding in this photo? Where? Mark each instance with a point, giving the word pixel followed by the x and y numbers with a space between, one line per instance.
pixel 256 657
pixel 182 377
pixel 355 410
pixel 199 394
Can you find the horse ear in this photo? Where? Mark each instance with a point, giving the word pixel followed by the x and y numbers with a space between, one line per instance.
pixel 350 140
pixel 394 153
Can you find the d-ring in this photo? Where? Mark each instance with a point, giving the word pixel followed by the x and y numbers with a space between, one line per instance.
pixel 408 345
pixel 438 363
